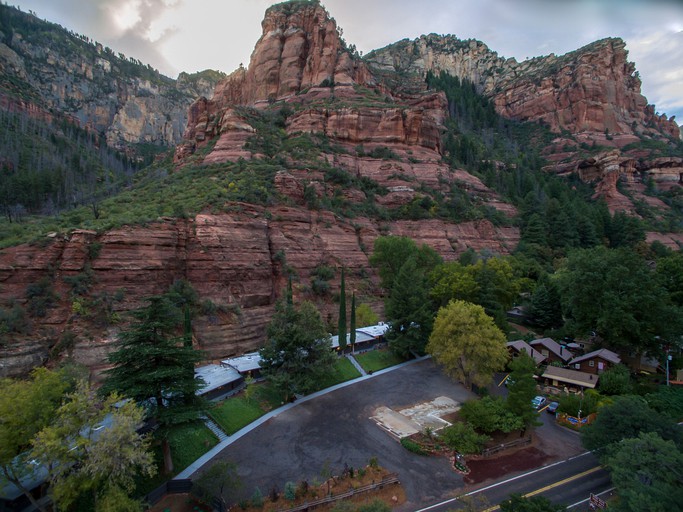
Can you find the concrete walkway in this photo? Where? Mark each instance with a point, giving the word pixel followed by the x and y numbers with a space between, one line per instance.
pixel 196 465
pixel 351 358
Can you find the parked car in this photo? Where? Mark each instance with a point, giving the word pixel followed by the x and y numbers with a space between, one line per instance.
pixel 538 402
pixel 552 408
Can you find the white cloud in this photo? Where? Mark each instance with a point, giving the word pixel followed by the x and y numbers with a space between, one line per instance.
pixel 192 35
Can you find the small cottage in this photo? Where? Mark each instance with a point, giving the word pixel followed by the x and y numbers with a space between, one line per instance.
pixel 595 362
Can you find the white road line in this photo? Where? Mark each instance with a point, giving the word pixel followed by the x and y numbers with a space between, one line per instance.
pixel 451 500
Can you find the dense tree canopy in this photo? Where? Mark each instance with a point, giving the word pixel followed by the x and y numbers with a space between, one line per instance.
pixel 26 408
pixel 467 343
pixel 626 418
pixel 391 253
pixel 613 292
pixel 647 472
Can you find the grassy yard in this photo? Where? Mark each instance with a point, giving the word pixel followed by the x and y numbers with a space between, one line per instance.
pixel 236 412
pixel 342 371
pixel 377 360
pixel 188 443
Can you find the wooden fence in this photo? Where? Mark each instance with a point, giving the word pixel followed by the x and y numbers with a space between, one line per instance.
pixel 495 449
pixel 388 480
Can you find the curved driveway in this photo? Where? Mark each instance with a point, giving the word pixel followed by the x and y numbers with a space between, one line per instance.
pixel 334 429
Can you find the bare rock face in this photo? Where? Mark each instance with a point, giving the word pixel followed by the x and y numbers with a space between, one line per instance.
pixel 608 168
pixel 111 94
pixel 588 91
pixel 234 260
pixel 300 50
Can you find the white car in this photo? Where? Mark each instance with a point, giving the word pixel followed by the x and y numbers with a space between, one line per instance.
pixel 538 402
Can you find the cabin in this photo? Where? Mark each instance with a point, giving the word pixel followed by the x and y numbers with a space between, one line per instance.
pixel 552 350
pixel 571 381
pixel 221 381
pixel 366 337
pixel 518 346
pixel 595 362
pixel 247 365
pixel 518 314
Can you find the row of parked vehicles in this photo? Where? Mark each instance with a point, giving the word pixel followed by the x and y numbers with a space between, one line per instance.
pixel 539 401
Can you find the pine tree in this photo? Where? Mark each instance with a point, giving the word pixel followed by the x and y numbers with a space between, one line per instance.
pixel 342 313
pixel 154 366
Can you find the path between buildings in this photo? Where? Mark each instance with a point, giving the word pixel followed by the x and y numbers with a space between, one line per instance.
pixel 201 461
pixel 351 358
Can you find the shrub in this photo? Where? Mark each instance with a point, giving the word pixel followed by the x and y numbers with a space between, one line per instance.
pixel 290 491
pixel 257 498
pixel 462 438
pixel 412 446
pixel 41 297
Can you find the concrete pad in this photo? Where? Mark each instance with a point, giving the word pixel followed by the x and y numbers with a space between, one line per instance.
pixel 396 424
pixel 411 420
pixel 428 414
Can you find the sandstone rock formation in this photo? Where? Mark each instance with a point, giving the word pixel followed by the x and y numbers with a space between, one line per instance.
pixel 234 259
pixel 591 90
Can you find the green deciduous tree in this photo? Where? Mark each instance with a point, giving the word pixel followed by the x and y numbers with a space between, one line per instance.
pixel 462 438
pixel 489 414
pixel 26 408
pixel 391 252
pixel 221 481
pixel 647 472
pixel 616 380
pixel 365 315
pixel 466 342
pixel 93 446
pixel 154 366
pixel 297 354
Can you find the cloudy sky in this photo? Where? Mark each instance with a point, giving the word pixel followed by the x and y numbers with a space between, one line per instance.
pixel 193 35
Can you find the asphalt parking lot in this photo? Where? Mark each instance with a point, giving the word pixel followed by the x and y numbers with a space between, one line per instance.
pixel 329 431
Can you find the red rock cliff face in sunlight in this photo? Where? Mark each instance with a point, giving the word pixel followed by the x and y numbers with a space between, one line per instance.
pixel 300 48
pixel 235 260
pixel 584 92
pixel 594 89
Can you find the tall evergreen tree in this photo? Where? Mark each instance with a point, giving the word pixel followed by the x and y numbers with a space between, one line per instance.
pixel 297 353
pixel 352 336
pixel 342 313
pixel 409 311
pixel 155 367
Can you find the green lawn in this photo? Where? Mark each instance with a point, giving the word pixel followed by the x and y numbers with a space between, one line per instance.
pixel 236 412
pixel 188 443
pixel 342 371
pixel 377 360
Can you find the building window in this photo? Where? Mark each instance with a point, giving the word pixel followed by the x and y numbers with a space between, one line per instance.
pixel 577 366
pixel 591 363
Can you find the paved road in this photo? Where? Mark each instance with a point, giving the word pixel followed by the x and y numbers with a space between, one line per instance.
pixel 567 482
pixel 336 429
